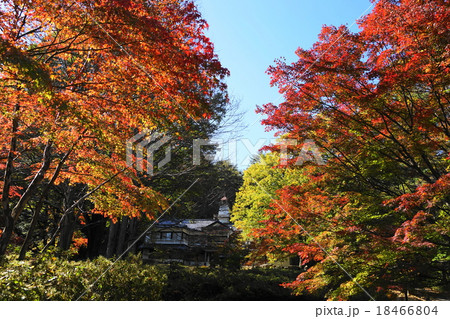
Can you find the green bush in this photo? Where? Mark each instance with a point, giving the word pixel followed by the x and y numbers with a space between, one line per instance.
pixel 203 283
pixel 52 278
pixel 59 278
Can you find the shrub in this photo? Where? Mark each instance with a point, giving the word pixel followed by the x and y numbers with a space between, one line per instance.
pixel 48 277
pixel 52 278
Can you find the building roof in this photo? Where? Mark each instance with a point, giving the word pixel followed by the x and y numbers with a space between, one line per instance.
pixel 194 224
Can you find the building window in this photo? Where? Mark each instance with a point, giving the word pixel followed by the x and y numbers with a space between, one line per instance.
pixel 166 235
pixel 177 236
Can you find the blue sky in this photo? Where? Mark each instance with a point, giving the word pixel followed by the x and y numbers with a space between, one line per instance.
pixel 249 35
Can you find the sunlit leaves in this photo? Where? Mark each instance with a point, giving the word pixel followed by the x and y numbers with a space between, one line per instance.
pixel 88 75
pixel 376 103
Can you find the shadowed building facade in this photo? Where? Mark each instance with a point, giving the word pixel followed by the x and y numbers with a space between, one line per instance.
pixel 188 241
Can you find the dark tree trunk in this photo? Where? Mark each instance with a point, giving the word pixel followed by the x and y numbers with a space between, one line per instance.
pixel 80 200
pixel 6 234
pixel 122 235
pixel 7 220
pixel 40 203
pixel 32 187
pixel 25 198
pixel 132 228
pixel 33 224
pixel 67 229
pixel 95 232
pixel 112 239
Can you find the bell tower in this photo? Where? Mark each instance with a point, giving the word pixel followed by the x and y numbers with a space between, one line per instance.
pixel 224 211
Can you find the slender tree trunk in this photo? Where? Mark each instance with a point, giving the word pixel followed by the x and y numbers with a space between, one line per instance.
pixel 67 229
pixel 33 224
pixel 94 232
pixel 122 235
pixel 70 209
pixel 6 234
pixel 132 233
pixel 25 198
pixel 112 239
pixel 7 219
pixel 40 203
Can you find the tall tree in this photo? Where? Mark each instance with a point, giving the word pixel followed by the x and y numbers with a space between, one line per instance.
pixel 78 80
pixel 377 104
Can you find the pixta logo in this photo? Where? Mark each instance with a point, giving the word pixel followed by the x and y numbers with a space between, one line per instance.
pixel 141 149
pixel 244 149
pixel 147 143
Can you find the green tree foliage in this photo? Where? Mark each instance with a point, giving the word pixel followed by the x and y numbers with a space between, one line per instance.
pixel 262 180
pixel 215 180
pixel 377 104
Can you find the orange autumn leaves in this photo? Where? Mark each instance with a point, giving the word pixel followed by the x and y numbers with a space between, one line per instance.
pixel 377 104
pixel 87 76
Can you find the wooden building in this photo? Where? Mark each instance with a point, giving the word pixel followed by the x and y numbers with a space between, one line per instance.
pixel 188 241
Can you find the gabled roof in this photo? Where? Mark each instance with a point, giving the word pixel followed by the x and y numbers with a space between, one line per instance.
pixel 193 224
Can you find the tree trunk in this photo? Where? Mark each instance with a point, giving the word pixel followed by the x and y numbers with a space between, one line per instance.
pixel 94 232
pixel 122 235
pixel 67 229
pixel 40 203
pixel 27 240
pixel 132 234
pixel 7 220
pixel 70 209
pixel 25 198
pixel 112 239
pixel 6 234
